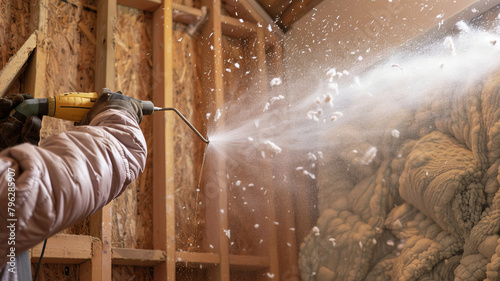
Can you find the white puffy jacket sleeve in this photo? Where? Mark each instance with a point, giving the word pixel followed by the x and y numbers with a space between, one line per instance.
pixel 68 177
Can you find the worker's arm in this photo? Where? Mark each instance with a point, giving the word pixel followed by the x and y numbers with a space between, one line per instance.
pixel 68 177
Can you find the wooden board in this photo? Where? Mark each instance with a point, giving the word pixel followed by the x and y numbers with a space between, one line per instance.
pixel 16 64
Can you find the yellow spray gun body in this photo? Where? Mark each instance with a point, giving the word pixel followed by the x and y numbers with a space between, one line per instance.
pixel 75 105
pixel 71 106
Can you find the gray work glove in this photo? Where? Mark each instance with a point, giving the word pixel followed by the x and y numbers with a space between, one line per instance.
pixel 110 100
pixel 12 131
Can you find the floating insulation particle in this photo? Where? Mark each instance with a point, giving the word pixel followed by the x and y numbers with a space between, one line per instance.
pixel 462 26
pixel 270 28
pixel 299 168
pixel 315 230
pixel 250 139
pixel 238 183
pixel 256 123
pixel 370 154
pixel 272 146
pixel 448 41
pixel 390 243
pixel 217 115
pixel 270 275
pixel 208 116
pixel 227 232
pixel 237 65
pixel 311 156
pixel 331 72
pixel 273 99
pixel 256 225
pixel 311 175
pixel 275 82
pixel 361 244
pixel 333 242
pixel 395 133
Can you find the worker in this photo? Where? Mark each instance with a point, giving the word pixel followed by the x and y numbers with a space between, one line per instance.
pixel 69 176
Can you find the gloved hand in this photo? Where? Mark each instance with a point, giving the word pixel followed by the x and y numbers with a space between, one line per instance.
pixel 110 100
pixel 12 131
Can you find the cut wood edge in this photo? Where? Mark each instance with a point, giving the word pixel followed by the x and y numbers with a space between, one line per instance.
pixel 17 63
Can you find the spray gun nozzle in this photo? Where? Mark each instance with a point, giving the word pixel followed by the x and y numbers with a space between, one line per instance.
pixel 185 121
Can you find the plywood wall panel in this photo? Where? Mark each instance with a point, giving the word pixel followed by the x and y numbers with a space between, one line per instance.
pixel 14 27
pixel 188 147
pixel 132 211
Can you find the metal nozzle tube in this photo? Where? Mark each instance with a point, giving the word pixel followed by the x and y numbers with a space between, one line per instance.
pixel 183 119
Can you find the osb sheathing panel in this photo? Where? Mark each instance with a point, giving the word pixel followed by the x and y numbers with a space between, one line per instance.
pixel 14 30
pixel 71 46
pixel 132 211
pixel 136 273
pixel 70 62
pixel 14 27
pixel 188 148
pixel 50 272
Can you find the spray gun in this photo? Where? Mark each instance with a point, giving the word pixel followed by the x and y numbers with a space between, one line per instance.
pixel 74 106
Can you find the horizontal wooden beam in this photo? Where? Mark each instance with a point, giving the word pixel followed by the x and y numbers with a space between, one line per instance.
pixel 137 257
pixel 146 5
pixel 240 262
pixel 11 71
pixel 185 14
pixel 231 27
pixel 64 248
pixel 192 259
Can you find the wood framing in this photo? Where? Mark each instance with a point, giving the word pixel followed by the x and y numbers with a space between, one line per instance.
pixel 105 46
pixel 63 248
pixel 212 69
pixel 16 64
pixel 137 257
pixel 146 5
pixel 91 269
pixel 100 222
pixel 163 158
pixel 230 26
pixel 35 72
